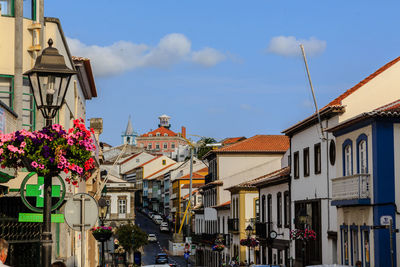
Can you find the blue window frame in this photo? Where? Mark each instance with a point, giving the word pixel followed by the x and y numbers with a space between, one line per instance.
pixel 347 149
pixel 344 245
pixel 365 243
pixel 362 154
pixel 354 244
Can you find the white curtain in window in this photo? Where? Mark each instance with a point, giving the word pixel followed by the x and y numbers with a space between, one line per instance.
pixel 362 156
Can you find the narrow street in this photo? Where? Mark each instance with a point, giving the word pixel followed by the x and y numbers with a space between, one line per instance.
pixel 152 249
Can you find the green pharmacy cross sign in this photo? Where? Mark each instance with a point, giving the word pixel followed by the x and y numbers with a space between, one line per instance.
pixel 37 191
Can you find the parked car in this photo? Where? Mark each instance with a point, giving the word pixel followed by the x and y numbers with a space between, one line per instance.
pixel 161 258
pixel 152 238
pixel 164 227
pixel 157 219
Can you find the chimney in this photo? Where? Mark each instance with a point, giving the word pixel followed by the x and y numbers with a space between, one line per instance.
pixel 183 131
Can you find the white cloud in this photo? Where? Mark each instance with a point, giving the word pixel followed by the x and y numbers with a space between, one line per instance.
pixel 208 57
pixel 123 56
pixel 289 46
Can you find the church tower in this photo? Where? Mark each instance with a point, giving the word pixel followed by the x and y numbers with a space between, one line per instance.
pixel 129 137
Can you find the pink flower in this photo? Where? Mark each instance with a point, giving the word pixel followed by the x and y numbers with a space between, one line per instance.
pixel 41 166
pixel 34 164
pixel 12 148
pixel 23 144
pixel 70 142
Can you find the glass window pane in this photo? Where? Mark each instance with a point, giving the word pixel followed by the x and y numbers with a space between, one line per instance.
pixel 28 9
pixel 6 7
pixel 6 90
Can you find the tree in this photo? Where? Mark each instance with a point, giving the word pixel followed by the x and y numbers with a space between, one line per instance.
pixel 131 237
pixel 203 148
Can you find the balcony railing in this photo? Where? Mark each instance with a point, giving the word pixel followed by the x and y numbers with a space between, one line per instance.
pixel 351 187
pixel 233 225
pixel 173 196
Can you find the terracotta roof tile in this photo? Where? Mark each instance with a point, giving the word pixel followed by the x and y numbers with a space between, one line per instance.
pixel 226 204
pixel 338 100
pixel 147 162
pixel 232 140
pixel 259 143
pixel 270 176
pixel 162 131
pixel 394 106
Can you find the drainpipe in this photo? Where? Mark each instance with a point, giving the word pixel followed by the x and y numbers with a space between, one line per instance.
pixel 40 17
pixel 18 46
pixel 327 177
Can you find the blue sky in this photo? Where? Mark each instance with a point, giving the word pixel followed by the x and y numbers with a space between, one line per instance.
pixel 223 68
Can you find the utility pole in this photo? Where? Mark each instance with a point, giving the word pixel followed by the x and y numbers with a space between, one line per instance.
pixel 190 192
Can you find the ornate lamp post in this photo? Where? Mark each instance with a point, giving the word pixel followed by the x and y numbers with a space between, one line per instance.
pixel 249 232
pixel 49 81
pixel 103 211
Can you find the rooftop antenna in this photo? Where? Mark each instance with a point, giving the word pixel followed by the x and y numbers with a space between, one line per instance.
pixel 312 91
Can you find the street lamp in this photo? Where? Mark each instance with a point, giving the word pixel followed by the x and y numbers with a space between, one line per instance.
pixel 249 232
pixel 49 81
pixel 103 211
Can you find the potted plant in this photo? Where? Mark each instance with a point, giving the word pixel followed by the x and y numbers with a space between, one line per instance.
pixel 102 233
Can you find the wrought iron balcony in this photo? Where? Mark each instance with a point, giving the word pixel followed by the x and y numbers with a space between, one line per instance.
pixel 173 196
pixel 351 190
pixel 233 225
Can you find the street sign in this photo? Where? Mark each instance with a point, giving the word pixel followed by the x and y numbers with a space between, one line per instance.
pixel 385 220
pixel 38 217
pixel 81 211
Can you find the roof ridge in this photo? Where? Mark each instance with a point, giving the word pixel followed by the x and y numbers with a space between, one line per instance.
pixel 338 100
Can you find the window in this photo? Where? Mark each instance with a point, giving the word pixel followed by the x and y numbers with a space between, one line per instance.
pixel 269 213
pixel 157 146
pixel 296 164
pixel 7 7
pixel 365 246
pixel 345 244
pixel 28 106
pixel 165 145
pixel 7 90
pixel 332 152
pixel 257 209
pixel 149 146
pixel 122 206
pixel 286 209
pixel 263 208
pixel 279 209
pixel 29 9
pixel 347 158
pixel 354 244
pixel 317 158
pixel 165 134
pixel 164 161
pixel 137 160
pixel 150 135
pixel 362 152
pixel 158 134
pixel 173 145
pixel 306 161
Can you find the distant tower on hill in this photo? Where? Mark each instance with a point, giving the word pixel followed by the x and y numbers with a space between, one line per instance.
pixel 129 136
pixel 164 121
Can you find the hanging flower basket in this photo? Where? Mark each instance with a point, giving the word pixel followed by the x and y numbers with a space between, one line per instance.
pixel 50 151
pixel 305 235
pixel 218 247
pixel 249 242
pixel 102 233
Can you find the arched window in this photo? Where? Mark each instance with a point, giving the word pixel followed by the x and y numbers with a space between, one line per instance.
pixel 362 154
pixel 157 134
pixel 347 158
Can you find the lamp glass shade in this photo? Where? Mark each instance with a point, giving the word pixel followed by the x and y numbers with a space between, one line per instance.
pixel 249 230
pixel 49 81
